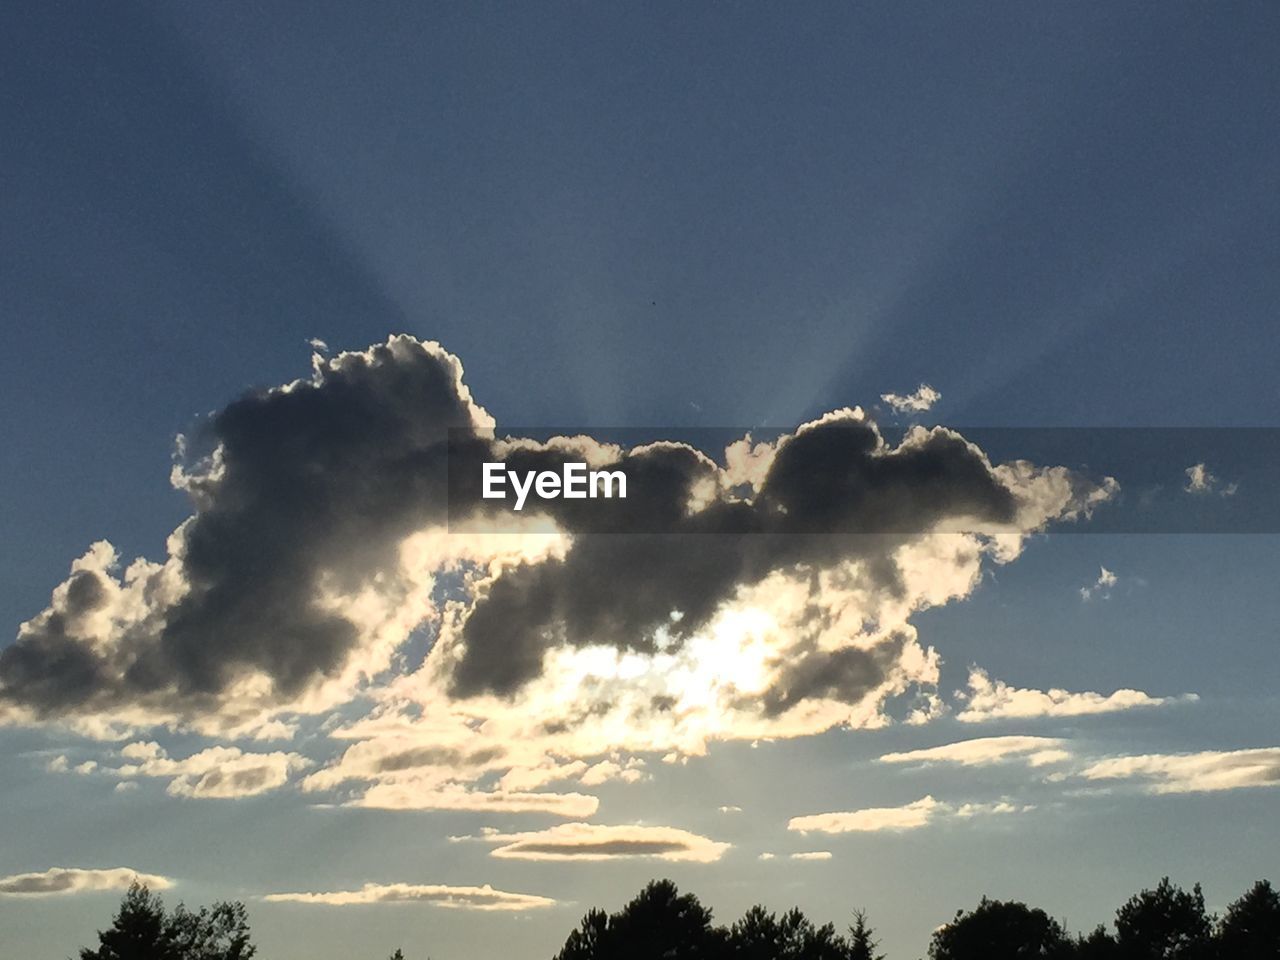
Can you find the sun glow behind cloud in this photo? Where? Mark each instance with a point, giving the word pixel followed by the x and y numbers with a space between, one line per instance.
pixel 551 663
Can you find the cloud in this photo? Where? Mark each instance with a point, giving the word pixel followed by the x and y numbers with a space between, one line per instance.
pixel 216 773
pixel 483 898
pixel 586 841
pixel 1205 772
pixel 811 855
pixel 1101 587
pixel 911 816
pixel 770 597
pixel 71 880
pixel 1201 481
pixel 989 699
pixel 730 808
pixel 869 820
pixel 1035 751
pixel 403 796
pixel 923 399
pixel 300 502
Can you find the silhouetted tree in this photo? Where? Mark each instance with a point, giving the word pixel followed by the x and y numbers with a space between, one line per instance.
pixel 659 922
pixel 1251 928
pixel 1001 931
pixel 139 930
pixel 1098 945
pixel 862 945
pixel 1166 923
pixel 590 940
pixel 398 955
pixel 662 924
pixel 761 935
pixel 220 932
pixel 142 930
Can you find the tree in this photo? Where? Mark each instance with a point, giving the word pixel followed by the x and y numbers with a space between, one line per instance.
pixel 659 922
pixel 1166 923
pixel 220 932
pixel 761 935
pixel 862 946
pixel 139 930
pixel 1098 945
pixel 1001 931
pixel 143 930
pixel 590 940
pixel 1251 928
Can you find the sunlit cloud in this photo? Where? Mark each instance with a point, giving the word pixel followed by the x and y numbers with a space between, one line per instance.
pixel 1034 751
pixel 405 796
pixel 911 816
pixel 216 773
pixel 1205 772
pixel 989 699
pixel 549 675
pixel 1100 588
pixel 1201 481
pixel 586 841
pixel 921 400
pixel 483 898
pixel 60 881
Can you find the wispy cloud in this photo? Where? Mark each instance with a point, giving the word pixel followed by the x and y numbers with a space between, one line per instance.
pixel 1100 588
pixel 1201 481
pixel 586 841
pixel 454 898
pixel 59 881
pixel 911 816
pixel 1035 751
pixel 989 699
pixel 811 855
pixel 1205 772
pixel 221 773
pixel 405 796
pixel 921 400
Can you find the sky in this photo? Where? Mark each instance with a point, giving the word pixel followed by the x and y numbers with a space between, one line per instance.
pixel 257 261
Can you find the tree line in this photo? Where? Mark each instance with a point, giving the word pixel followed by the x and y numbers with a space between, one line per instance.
pixel 661 923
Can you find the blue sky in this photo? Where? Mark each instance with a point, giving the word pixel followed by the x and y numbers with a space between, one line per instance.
pixel 664 216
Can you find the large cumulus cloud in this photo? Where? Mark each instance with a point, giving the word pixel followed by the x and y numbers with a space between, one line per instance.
pixel 306 491
pixel 764 590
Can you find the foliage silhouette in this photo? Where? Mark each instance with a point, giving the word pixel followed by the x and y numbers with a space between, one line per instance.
pixel 761 935
pixel 996 930
pixel 1166 923
pixel 143 930
pixel 1251 928
pixel 1098 945
pixel 663 924
pixel 862 944
pixel 659 922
